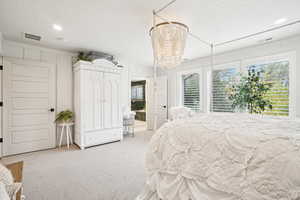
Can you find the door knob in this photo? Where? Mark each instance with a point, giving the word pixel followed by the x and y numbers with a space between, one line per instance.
pixel 51 109
pixel 164 106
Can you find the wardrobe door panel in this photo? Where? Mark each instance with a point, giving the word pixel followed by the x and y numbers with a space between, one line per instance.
pixel 107 115
pixel 99 97
pixel 89 100
pixel 112 111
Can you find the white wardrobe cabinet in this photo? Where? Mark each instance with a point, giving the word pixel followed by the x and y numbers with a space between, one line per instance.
pixel 98 115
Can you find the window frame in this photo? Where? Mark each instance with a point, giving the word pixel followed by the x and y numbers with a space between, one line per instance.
pixel 201 86
pixel 229 65
pixel 235 66
pixel 291 58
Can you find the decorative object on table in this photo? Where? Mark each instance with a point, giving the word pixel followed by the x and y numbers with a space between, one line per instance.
pixel 65 116
pixel 7 179
pixel 66 129
pixel 128 123
pixel 94 56
pixel 250 93
pixel 83 56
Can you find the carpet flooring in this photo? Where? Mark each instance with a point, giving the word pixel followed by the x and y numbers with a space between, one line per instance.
pixel 114 171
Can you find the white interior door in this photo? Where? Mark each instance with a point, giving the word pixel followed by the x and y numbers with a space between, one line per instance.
pixel 157 109
pixel 28 106
pixel 112 106
pixel 1 136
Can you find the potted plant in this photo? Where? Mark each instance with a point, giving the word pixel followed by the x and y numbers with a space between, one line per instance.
pixel 65 116
pixel 83 56
pixel 250 93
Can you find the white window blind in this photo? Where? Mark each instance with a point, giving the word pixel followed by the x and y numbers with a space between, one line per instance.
pixel 137 92
pixel 276 73
pixel 191 91
pixel 222 80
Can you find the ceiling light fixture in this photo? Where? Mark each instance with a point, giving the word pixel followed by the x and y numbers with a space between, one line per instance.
pixel 280 21
pixel 57 27
pixel 168 41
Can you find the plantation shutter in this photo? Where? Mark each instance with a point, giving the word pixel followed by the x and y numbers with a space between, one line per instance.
pixel 191 91
pixel 277 73
pixel 222 80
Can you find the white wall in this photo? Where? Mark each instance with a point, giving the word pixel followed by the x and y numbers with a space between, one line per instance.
pixel 62 60
pixel 138 72
pixel 64 77
pixel 278 47
pixel 131 72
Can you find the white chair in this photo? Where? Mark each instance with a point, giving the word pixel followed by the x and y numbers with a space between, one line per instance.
pixel 180 112
pixel 66 129
pixel 128 123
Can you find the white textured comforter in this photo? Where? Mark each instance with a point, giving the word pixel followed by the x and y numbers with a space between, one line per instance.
pixel 224 157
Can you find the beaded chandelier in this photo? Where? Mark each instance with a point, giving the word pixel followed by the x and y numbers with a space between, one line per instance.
pixel 168 42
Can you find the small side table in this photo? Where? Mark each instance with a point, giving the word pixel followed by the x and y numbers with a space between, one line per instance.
pixel 66 128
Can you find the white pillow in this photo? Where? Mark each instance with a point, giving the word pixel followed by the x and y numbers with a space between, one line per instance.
pixel 7 179
pixel 3 193
pixel 180 112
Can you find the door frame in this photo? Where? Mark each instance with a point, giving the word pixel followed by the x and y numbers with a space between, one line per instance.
pixel 141 78
pixel 150 98
pixel 5 98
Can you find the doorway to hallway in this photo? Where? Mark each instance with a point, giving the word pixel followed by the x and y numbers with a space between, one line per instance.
pixel 138 104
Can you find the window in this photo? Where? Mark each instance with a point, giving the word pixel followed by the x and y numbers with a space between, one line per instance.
pixel 137 92
pixel 222 79
pixel 191 91
pixel 276 73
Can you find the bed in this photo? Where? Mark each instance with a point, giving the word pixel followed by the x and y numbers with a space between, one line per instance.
pixel 224 157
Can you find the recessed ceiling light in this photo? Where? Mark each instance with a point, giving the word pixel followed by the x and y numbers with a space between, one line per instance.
pixel 57 27
pixel 280 21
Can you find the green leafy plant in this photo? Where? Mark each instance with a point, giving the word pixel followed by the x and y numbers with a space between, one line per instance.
pixel 64 116
pixel 83 56
pixel 250 93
